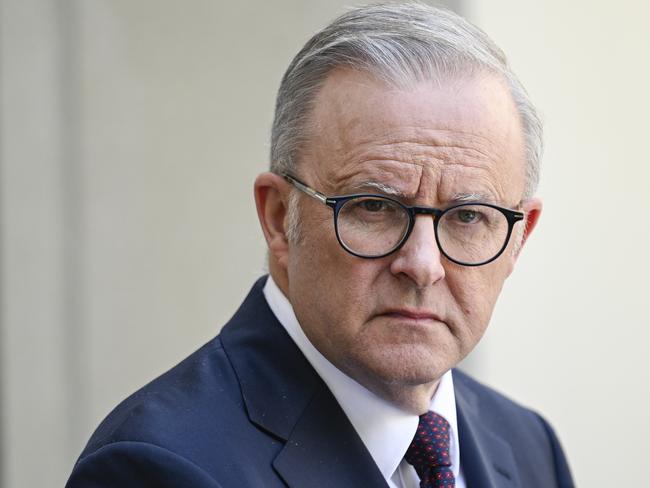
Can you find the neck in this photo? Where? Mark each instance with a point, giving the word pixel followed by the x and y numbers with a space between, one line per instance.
pixel 280 277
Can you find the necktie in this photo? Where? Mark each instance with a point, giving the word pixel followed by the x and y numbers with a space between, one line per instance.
pixel 429 452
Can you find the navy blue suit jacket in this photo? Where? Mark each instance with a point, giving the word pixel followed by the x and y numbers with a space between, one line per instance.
pixel 248 410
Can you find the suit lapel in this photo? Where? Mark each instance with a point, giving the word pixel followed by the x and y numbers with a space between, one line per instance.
pixel 277 382
pixel 284 396
pixel 486 458
pixel 324 446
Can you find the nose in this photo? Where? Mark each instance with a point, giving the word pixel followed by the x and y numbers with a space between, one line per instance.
pixel 419 258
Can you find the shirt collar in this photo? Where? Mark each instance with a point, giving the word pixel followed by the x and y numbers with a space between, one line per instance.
pixel 385 430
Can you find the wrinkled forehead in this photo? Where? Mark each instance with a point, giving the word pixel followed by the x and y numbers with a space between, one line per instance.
pixel 459 134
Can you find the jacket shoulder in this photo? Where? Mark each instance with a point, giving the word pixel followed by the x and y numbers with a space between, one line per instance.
pixel 203 380
pixel 191 419
pixel 534 443
pixel 500 413
pixel 136 464
pixel 488 396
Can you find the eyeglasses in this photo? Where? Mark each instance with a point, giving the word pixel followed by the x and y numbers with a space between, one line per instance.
pixel 374 226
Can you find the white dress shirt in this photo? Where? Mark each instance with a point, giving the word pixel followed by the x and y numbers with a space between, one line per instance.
pixel 386 430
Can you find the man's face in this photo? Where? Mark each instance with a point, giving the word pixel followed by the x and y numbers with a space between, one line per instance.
pixel 405 319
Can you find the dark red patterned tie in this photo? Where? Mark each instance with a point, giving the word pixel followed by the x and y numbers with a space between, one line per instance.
pixel 429 452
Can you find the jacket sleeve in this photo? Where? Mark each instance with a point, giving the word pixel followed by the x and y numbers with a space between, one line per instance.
pixel 129 464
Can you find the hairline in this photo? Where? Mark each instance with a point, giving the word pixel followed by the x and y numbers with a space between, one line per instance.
pixel 334 48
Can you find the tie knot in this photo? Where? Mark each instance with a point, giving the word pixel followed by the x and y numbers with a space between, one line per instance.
pixel 429 452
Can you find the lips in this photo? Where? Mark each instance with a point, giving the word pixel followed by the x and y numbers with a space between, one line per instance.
pixel 407 314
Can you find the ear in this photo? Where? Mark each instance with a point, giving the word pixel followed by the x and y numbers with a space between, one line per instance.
pixel 532 210
pixel 271 202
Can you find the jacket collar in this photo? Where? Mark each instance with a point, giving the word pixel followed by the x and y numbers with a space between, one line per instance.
pixel 487 459
pixel 284 396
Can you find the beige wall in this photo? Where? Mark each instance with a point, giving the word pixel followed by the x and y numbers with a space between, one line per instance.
pixel 131 132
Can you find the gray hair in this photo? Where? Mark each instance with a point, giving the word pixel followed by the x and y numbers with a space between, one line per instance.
pixel 398 43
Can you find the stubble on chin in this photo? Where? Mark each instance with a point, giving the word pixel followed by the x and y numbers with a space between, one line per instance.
pixel 404 376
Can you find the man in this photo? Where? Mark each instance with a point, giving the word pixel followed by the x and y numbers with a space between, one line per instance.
pixel 404 162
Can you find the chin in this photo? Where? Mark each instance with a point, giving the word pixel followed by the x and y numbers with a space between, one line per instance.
pixel 406 366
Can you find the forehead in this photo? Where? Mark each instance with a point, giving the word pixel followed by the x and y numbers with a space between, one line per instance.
pixel 431 140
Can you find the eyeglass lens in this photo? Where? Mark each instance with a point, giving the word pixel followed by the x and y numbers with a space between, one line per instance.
pixel 374 226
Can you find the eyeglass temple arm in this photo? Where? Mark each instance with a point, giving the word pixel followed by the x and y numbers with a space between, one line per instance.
pixel 304 188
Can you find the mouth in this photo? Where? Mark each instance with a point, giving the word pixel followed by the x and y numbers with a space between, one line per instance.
pixel 412 316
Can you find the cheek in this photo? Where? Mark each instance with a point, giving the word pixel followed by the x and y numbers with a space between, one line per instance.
pixel 329 286
pixel 321 258
pixel 475 291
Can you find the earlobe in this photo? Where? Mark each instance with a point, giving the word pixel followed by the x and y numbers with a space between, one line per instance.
pixel 271 203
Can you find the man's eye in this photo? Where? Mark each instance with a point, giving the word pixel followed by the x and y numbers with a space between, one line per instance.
pixel 373 205
pixel 468 216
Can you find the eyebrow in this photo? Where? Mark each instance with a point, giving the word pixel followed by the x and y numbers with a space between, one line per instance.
pixel 390 190
pixel 471 197
pixel 382 187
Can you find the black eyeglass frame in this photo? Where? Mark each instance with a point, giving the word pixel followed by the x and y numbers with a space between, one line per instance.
pixel 337 202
